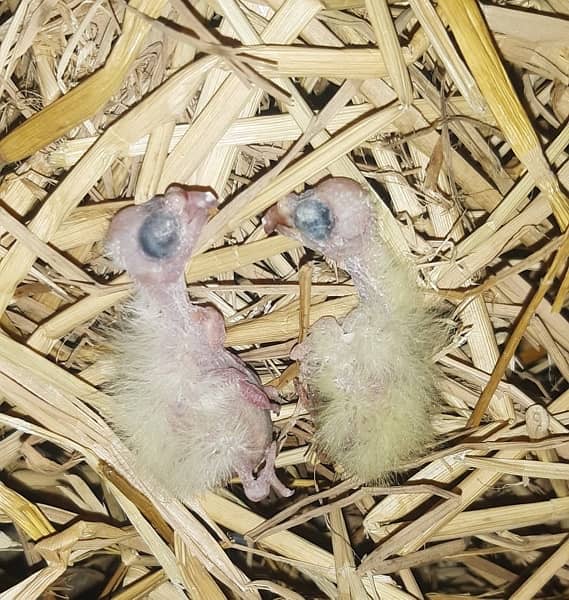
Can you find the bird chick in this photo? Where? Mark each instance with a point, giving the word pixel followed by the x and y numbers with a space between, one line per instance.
pixel 372 378
pixel 192 412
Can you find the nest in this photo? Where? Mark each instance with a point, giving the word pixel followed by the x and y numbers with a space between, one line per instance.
pixel 455 114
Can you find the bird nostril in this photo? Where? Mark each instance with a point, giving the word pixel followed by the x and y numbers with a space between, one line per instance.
pixel 159 235
pixel 313 218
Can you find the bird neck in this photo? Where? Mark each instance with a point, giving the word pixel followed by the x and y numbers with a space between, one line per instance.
pixel 171 298
pixel 367 268
pixel 358 268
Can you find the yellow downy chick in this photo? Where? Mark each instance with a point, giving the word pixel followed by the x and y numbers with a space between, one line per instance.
pixel 373 378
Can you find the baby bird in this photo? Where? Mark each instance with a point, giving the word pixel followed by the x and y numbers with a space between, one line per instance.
pixel 192 412
pixel 372 378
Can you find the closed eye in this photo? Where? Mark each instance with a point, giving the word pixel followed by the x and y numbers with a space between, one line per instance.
pixel 159 235
pixel 313 218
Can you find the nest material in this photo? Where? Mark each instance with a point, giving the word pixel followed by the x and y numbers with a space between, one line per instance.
pixel 455 114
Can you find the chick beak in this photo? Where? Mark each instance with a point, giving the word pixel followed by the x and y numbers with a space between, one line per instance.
pixel 198 204
pixel 279 216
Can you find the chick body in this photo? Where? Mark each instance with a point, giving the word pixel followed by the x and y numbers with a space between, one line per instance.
pixel 192 412
pixel 372 377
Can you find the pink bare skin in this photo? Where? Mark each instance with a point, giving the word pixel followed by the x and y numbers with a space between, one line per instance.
pixel 192 412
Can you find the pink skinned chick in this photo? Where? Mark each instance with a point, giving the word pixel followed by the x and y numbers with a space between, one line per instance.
pixel 192 412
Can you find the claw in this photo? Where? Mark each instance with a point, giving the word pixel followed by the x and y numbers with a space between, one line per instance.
pixel 258 488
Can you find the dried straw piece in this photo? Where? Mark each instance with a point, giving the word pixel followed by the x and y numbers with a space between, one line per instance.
pixel 437 553
pixel 11 350
pixel 349 584
pixel 494 574
pixel 143 586
pixel 477 45
pixel 440 41
pixel 43 251
pixel 305 284
pixel 283 324
pixel 88 97
pixel 355 63
pixel 425 528
pixel 196 578
pixel 514 339
pixel 513 200
pixel 404 540
pixel 523 468
pixel 36 584
pixel 232 258
pixel 543 574
pixel 538 424
pixel 82 538
pixel 387 40
pixel 501 518
pixel 86 225
pixel 25 514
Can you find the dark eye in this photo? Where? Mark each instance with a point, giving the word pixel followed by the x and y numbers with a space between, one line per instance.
pixel 313 218
pixel 159 235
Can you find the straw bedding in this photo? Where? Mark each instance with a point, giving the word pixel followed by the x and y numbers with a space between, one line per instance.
pixel 455 113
